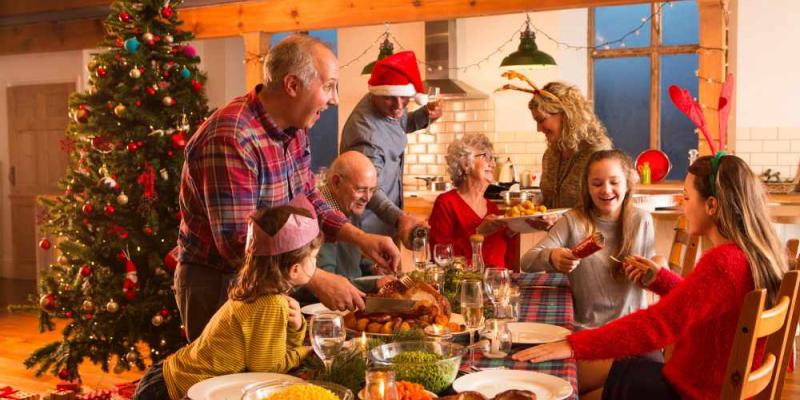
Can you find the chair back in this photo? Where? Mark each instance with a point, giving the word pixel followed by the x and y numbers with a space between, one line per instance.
pixel 793 254
pixel 777 325
pixel 683 254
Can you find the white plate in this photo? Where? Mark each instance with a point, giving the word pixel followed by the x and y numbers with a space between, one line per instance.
pixel 534 332
pixel 454 317
pixel 518 224
pixel 491 382
pixel 317 308
pixel 229 387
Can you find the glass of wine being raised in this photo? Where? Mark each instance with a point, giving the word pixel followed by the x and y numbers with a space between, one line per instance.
pixel 327 336
pixel 433 101
pixel 472 310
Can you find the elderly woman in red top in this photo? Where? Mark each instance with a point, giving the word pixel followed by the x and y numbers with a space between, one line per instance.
pixel 724 202
pixel 463 211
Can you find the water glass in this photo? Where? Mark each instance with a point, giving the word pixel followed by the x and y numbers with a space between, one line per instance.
pixel 443 254
pixel 472 310
pixel 499 336
pixel 327 336
pixel 434 275
pixel 420 252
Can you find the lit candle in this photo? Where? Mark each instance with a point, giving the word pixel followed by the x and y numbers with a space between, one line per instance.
pixel 362 343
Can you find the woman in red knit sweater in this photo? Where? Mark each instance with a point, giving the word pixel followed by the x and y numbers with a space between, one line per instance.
pixel 724 202
pixel 463 211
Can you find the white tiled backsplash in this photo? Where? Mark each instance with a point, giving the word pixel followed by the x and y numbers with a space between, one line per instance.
pixel 425 153
pixel 776 148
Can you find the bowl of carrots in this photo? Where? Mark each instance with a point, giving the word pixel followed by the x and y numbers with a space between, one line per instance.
pixel 408 391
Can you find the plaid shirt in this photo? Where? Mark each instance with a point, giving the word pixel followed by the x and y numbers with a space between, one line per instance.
pixel 237 162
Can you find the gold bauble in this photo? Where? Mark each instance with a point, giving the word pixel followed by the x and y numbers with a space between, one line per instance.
pixel 112 306
pixel 122 199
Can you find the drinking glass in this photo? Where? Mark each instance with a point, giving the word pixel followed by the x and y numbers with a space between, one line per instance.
pixel 420 252
pixel 327 336
pixel 497 282
pixel 443 254
pixel 472 310
pixel 434 275
pixel 433 98
pixel 499 336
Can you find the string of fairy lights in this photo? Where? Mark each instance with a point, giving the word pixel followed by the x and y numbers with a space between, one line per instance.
pixel 595 49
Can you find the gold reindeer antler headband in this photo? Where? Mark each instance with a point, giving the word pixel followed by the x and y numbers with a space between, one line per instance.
pixel 534 89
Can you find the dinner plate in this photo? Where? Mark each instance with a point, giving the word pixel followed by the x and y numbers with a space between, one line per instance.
pixel 518 224
pixel 491 382
pixel 229 387
pixel 317 308
pixel 534 332
pixel 454 317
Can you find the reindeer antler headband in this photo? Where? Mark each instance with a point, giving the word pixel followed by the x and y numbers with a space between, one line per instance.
pixel 534 89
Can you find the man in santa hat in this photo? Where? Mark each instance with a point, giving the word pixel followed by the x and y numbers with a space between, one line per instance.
pixel 377 127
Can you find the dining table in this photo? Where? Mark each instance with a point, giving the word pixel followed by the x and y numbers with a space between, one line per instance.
pixel 544 298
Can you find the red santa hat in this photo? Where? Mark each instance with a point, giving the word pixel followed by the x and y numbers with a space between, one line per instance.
pixel 398 75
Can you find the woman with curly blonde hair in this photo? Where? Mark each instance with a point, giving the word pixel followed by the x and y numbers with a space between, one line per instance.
pixel 573 133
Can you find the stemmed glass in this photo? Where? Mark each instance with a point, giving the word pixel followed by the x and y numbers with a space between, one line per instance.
pixel 497 282
pixel 443 254
pixel 433 98
pixel 327 337
pixel 472 310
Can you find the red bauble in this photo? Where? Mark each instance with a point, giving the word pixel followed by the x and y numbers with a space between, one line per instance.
pixel 138 103
pixel 86 271
pixel 118 42
pixel 110 105
pixel 109 210
pixel 132 147
pixel 124 17
pixel 68 314
pixel 148 230
pixel 87 208
pixel 82 115
pixel 63 374
pixel 170 261
pixel 167 12
pixel 48 302
pixel 102 143
pixel 85 221
pixel 151 91
pixel 164 312
pixel 123 234
pixel 178 140
pixel 165 74
pixel 44 244
pixel 170 153
pixel 88 316
pixel 100 71
pixel 196 86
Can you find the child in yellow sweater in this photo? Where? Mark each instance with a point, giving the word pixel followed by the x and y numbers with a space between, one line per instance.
pixel 259 328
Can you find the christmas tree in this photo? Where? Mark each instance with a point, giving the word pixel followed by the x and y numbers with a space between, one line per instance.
pixel 118 218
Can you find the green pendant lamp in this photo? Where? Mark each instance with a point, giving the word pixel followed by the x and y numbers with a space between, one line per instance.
pixel 528 55
pixel 387 49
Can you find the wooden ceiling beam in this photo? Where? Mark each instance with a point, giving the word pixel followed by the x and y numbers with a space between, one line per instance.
pixel 235 19
pixel 12 8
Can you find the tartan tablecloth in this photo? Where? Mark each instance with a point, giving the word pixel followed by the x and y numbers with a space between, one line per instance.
pixel 544 298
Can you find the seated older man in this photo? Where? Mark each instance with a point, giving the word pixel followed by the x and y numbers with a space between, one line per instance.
pixel 351 182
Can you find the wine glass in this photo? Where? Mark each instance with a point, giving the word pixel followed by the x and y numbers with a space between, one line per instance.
pixel 327 337
pixel 443 254
pixel 497 282
pixel 472 310
pixel 433 98
pixel 420 252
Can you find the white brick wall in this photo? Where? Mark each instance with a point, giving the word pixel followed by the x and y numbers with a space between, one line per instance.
pixel 776 148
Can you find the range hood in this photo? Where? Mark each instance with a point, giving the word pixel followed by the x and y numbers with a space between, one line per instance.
pixel 440 55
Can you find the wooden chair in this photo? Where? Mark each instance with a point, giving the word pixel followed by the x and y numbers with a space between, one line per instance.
pixel 683 254
pixel 792 251
pixel 777 325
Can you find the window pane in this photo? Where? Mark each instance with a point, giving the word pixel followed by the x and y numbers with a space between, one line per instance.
pixel 612 23
pixel 622 101
pixel 680 23
pixel 677 132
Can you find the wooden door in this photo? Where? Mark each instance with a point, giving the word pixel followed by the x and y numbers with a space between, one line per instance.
pixel 37 124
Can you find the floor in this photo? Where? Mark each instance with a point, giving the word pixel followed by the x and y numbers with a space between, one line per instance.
pixel 19 337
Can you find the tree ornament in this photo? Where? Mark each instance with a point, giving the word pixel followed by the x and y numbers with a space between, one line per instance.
pixel 63 374
pixel 167 12
pixel 131 284
pixel 157 320
pixel 100 71
pixel 118 42
pixel 82 114
pixel 189 51
pixel 109 182
pixel 68 314
pixel 185 73
pixel 109 210
pixel 132 147
pixel 124 17
pixel 148 230
pixel 151 90
pixel 196 86
pixel 168 38
pixel 164 174
pixel 164 312
pixel 165 73
pixel 178 140
pixel 86 271
pixel 44 244
pixel 102 144
pixel 148 38
pixel 132 45
pixel 87 306
pixel 112 306
pixel 131 357
pixel 135 73
pixel 91 65
pixel 48 302
pixel 87 208
pixel 168 101
pixel 138 103
pixel 88 316
pixel 119 110
pixel 62 260
pixel 122 199
pixel 170 153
